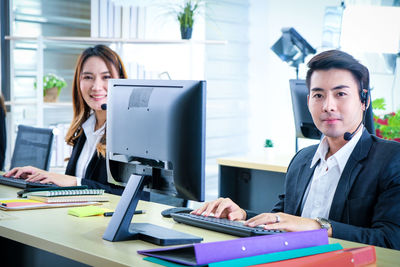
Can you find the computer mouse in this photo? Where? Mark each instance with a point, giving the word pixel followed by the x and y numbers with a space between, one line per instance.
pixel 167 213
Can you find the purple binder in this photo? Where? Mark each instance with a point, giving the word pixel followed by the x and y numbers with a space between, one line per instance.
pixel 204 253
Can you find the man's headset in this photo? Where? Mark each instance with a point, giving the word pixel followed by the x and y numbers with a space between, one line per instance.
pixel 364 95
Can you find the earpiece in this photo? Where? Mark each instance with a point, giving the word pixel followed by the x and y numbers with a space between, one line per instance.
pixel 364 99
pixel 363 94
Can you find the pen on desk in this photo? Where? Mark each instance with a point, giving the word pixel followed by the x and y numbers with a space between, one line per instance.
pixel 109 214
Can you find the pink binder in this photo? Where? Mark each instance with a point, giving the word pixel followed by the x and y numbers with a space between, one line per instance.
pixel 204 253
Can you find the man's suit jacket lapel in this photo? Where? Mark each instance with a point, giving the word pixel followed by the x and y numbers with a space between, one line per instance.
pixel 349 175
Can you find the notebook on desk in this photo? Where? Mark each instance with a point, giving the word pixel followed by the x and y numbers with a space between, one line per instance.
pixel 66 199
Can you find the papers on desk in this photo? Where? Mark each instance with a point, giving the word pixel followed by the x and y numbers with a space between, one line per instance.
pixel 27 204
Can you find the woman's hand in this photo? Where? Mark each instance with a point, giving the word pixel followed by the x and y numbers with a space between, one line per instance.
pixel 32 174
pixel 222 208
pixel 22 172
pixel 45 177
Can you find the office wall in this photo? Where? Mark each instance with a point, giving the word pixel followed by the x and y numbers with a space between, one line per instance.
pixel 271 108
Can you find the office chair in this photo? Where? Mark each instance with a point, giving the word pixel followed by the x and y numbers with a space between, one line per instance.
pixel 32 147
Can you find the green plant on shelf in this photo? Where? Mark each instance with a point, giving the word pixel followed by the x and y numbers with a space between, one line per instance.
pixel 51 80
pixel 52 85
pixel 185 13
pixel 387 126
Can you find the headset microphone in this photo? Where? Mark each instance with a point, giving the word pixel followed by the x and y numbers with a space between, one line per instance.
pixel 347 136
pixel 104 106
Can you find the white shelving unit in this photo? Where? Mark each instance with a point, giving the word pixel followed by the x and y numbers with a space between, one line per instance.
pixel 41 42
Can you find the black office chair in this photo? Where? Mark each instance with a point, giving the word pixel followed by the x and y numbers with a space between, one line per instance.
pixel 32 147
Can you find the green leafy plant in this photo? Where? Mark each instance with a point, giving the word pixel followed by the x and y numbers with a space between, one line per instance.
pixel 187 13
pixel 51 80
pixel 387 126
pixel 268 143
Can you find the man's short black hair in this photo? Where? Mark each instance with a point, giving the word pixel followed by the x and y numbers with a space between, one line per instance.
pixel 335 59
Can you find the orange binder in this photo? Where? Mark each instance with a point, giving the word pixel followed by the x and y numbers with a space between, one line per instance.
pixel 343 258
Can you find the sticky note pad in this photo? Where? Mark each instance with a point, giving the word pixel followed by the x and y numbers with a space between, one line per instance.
pixel 86 211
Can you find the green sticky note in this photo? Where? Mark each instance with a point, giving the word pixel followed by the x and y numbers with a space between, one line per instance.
pixel 86 211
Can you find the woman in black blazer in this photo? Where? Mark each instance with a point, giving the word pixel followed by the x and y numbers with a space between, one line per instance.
pixel 87 164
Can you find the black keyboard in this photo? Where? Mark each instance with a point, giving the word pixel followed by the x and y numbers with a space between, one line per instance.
pixel 21 183
pixel 222 225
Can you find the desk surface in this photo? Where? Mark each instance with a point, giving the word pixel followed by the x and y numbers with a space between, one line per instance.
pixel 80 239
pixel 268 163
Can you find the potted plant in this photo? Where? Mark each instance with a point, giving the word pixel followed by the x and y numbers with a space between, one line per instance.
pixel 186 13
pixel 268 149
pixel 52 85
pixel 387 126
pixel 268 143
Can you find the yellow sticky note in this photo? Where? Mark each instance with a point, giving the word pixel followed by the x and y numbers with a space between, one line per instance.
pixel 86 211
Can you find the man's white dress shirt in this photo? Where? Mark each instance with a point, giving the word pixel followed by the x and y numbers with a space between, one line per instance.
pixel 320 191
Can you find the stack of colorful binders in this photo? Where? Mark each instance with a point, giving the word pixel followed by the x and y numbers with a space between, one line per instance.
pixel 308 248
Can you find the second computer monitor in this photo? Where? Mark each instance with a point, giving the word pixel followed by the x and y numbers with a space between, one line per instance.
pixel 305 127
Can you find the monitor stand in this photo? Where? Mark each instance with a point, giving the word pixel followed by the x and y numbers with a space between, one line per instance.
pixel 120 227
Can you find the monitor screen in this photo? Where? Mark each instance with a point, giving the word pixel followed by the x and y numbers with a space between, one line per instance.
pixel 155 139
pixel 158 126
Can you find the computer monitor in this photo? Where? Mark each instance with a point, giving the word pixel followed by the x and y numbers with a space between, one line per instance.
pixel 305 127
pixel 155 139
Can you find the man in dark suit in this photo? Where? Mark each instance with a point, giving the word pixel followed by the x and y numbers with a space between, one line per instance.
pixel 349 184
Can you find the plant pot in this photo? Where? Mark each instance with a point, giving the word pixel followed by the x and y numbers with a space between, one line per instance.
pixel 186 33
pixel 51 95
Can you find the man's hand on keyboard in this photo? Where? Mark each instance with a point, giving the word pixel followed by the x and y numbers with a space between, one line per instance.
pixel 222 208
pixel 283 221
pixel 32 174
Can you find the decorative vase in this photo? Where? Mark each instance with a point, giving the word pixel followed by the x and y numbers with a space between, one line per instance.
pixel 186 33
pixel 51 95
